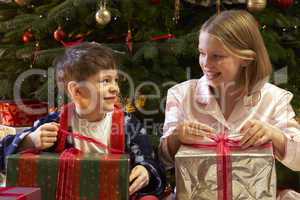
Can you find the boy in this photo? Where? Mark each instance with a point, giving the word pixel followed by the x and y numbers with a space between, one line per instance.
pixel 88 73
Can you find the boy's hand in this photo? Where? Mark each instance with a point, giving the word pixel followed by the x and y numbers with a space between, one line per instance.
pixel 139 177
pixel 45 136
pixel 191 132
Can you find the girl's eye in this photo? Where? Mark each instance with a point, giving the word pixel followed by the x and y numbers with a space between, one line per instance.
pixel 219 56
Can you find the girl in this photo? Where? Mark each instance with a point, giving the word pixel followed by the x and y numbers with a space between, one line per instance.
pixel 233 95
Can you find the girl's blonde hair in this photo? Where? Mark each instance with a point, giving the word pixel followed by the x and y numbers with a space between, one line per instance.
pixel 238 30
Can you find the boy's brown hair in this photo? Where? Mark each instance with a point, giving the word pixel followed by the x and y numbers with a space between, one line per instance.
pixel 80 62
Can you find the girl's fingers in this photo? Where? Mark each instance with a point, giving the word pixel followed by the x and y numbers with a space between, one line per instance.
pixel 255 137
pixel 200 126
pixel 246 127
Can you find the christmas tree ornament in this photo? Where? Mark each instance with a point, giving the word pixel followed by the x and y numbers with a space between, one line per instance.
pixel 155 2
pixel 129 40
pixel 283 4
pixel 140 101
pixel 177 11
pixel 35 53
pixel 22 2
pixel 59 34
pixel 27 36
pixel 103 15
pixel 256 5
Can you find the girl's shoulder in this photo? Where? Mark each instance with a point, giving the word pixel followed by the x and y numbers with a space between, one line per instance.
pixel 184 85
pixel 273 93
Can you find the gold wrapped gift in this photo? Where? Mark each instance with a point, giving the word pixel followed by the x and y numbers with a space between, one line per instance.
pixel 205 173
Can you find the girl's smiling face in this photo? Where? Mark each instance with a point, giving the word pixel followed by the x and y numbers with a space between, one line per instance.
pixel 218 65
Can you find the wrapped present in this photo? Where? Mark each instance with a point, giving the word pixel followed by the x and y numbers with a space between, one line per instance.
pixel 18 115
pixel 221 170
pixel 70 176
pixel 20 193
pixel 8 130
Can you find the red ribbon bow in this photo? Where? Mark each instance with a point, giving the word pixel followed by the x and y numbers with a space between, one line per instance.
pixel 223 145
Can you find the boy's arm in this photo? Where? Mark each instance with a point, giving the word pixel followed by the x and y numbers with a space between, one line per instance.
pixel 15 143
pixel 141 153
pixel 27 141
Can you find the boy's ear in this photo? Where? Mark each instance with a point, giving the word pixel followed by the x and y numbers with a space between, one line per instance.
pixel 74 90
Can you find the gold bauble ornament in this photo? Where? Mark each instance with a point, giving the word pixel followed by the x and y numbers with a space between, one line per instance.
pixel 256 5
pixel 103 16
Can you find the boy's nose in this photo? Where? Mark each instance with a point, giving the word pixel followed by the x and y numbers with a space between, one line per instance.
pixel 114 88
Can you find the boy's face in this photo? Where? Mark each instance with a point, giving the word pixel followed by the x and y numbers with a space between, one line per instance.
pixel 98 93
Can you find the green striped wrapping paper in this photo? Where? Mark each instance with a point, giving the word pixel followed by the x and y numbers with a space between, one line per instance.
pixel 104 177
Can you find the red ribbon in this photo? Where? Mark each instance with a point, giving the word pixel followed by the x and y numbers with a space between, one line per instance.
pixel 224 145
pixel 163 37
pixel 73 43
pixel 68 184
pixel 4 193
pixel 117 136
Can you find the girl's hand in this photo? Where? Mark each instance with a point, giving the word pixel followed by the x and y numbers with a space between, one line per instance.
pixel 139 177
pixel 191 132
pixel 256 133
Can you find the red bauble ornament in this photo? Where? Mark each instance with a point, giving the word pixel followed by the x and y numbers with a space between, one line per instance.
pixel 27 36
pixel 155 2
pixel 284 4
pixel 59 34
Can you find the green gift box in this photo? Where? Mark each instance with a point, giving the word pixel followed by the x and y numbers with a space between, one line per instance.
pixel 85 176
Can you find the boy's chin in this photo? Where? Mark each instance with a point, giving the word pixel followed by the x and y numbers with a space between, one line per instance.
pixel 108 108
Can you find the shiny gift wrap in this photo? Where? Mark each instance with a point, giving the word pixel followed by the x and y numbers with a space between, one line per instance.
pixel 251 174
pixel 20 193
pixel 75 176
pixel 20 115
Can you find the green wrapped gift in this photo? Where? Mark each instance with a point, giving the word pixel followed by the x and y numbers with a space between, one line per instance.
pixel 80 176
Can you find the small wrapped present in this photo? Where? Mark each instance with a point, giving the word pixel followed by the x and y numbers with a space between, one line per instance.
pixel 8 130
pixel 18 115
pixel 221 170
pixel 71 175
pixel 20 193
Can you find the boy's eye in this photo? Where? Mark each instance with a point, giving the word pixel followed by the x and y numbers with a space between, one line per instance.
pixel 105 81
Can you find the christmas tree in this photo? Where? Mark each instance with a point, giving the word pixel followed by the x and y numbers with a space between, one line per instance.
pixel 155 40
